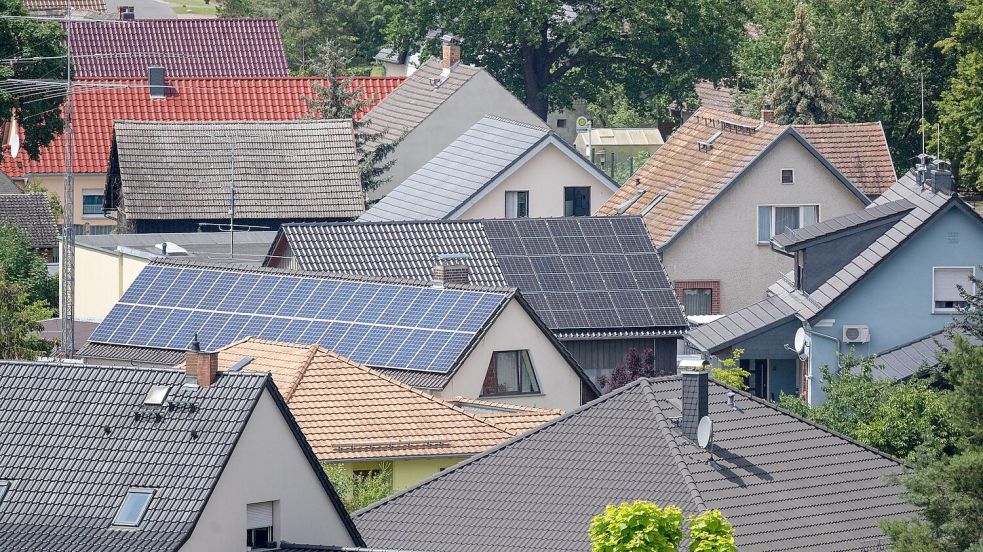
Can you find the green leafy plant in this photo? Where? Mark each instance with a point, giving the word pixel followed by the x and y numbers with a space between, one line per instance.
pixel 34 187
pixel 711 532
pixel 359 490
pixel 638 526
pixel 21 265
pixel 730 372
pixel 20 322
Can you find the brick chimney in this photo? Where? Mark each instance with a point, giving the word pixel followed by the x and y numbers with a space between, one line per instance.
pixel 451 50
pixel 767 113
pixel 203 367
pixel 450 269
pixel 696 399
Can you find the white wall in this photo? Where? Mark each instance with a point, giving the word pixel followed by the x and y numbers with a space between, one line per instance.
pixel 722 244
pixel 101 278
pixel 515 330
pixel 544 177
pixel 268 464
pixel 480 96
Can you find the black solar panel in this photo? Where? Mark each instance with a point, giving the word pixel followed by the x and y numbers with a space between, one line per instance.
pixel 382 325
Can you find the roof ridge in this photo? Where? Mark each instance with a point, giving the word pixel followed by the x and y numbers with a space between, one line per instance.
pixel 519 407
pixel 304 365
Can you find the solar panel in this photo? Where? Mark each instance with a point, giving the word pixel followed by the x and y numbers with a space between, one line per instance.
pixel 382 325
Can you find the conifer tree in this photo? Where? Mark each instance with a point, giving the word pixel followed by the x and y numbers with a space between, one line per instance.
pixel 800 94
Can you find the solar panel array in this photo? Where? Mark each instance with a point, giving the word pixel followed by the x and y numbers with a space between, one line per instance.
pixel 377 324
pixel 586 273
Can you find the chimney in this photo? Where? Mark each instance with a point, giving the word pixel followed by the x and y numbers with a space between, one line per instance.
pixel 942 182
pixel 156 77
pixel 200 368
pixel 696 393
pixel 451 50
pixel 450 269
pixel 767 114
pixel 126 13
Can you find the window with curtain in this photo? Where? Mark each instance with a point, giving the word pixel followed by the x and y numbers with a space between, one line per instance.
pixel 697 301
pixel 774 219
pixel 945 292
pixel 516 204
pixel 510 373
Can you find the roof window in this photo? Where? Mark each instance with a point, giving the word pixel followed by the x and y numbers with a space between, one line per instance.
pixel 4 487
pixel 156 395
pixel 133 508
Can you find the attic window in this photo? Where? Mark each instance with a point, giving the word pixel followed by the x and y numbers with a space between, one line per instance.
pixel 156 395
pixel 625 205
pixel 4 487
pixel 708 144
pixel 133 508
pixel 657 200
pixel 788 176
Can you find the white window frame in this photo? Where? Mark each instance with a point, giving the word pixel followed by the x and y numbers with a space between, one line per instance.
pixel 149 493
pixel 971 287
pixel 92 192
pixel 780 181
pixel 516 195
pixel 772 206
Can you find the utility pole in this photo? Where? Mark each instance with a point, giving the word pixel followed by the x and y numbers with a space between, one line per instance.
pixel 68 212
pixel 232 206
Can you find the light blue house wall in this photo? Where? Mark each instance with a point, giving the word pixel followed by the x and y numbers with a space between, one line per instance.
pixel 895 299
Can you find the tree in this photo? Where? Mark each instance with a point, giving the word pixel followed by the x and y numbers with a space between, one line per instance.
pixel 960 110
pixel 759 53
pixel 730 372
pixel 800 95
pixel 636 366
pixel 341 98
pixel 711 532
pixel 358 491
pixel 21 265
pixel 38 47
pixel 20 322
pixel 640 526
pixel 550 52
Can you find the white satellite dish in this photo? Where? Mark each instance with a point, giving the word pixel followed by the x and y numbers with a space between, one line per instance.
pixel 800 340
pixel 704 433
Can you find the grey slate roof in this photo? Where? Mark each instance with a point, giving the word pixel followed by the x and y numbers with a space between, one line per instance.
pixel 129 353
pixel 472 164
pixel 70 475
pixel 7 185
pixel 794 239
pixel 32 215
pixel 913 358
pixel 250 247
pixel 586 277
pixel 785 484
pixel 303 169
pixel 786 301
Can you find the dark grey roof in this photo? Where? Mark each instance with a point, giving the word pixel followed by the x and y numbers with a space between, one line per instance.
pixel 250 247
pixel 129 353
pixel 32 215
pixel 468 167
pixel 7 185
pixel 304 169
pixel 784 483
pixel 390 55
pixel 69 474
pixel 586 277
pixel 915 357
pixel 876 212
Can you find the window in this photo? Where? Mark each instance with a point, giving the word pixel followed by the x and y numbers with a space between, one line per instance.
pixel 788 176
pixel 4 487
pixel 561 123
pixel 259 525
pixel 945 292
pixel 697 301
pixel 510 373
pixel 133 507
pixel 774 219
pixel 156 395
pixel 516 204
pixel 92 202
pixel 576 201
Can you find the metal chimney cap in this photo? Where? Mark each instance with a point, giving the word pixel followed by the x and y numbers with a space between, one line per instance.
pixel 194 347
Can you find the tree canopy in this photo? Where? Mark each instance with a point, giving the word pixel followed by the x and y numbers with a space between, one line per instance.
pixel 800 95
pixel 643 526
pixel 21 265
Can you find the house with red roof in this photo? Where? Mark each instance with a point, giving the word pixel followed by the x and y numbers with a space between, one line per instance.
pixel 98 103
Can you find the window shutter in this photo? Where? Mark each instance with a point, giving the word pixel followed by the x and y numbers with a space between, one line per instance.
pixel 259 515
pixel 946 280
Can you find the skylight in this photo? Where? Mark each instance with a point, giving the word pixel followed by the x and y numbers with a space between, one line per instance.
pixel 4 487
pixel 134 505
pixel 156 395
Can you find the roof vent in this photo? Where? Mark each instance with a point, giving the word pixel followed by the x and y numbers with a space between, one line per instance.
pixel 708 144
pixel 625 205
pixel 170 249
pixel 648 208
pixel 156 76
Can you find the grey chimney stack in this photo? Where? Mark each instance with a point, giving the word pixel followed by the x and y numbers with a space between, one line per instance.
pixel 696 401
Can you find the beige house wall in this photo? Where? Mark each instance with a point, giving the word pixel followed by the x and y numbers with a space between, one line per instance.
pixel 722 244
pixel 267 464
pixel 480 96
pixel 544 177
pixel 515 330
pixel 101 278
pixel 55 183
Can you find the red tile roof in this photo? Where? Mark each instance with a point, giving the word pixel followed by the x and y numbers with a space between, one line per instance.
pixel 858 150
pixel 227 99
pixel 185 47
pixel 58 6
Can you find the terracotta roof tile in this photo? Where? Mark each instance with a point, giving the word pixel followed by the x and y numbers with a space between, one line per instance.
pixel 101 103
pixel 858 150
pixel 715 97
pixel 512 417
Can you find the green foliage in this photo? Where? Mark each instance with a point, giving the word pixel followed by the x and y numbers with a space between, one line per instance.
pixel 900 418
pixel 640 526
pixel 711 532
pixel 730 372
pixel 965 363
pixel 759 53
pixel 38 115
pixel 358 491
pixel 961 107
pixel 612 109
pixel 21 265
pixel 800 95
pixel 20 322
pixel 340 98
pixel 35 187
pixel 624 168
pixel 550 52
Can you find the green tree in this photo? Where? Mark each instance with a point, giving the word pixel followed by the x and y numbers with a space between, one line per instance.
pixel 961 107
pixel 341 98
pixel 711 532
pixel 800 95
pixel 358 491
pixel 759 53
pixel 640 526
pixel 21 265
pixel 20 322
pixel 550 52
pixel 37 47
pixel 730 372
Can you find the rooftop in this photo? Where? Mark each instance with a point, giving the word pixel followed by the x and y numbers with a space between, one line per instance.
pixel 32 215
pixel 58 6
pixel 917 357
pixel 858 150
pixel 213 247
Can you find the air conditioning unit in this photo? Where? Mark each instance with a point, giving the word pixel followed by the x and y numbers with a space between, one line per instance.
pixel 856 334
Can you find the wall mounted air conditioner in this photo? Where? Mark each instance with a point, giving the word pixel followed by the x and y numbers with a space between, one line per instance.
pixel 856 334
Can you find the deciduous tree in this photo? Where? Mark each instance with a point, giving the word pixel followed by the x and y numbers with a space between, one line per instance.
pixel 20 322
pixel 21 265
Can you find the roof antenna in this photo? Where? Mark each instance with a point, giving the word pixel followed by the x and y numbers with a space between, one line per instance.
pixel 922 76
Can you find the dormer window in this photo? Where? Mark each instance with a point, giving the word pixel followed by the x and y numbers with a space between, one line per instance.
pixel 134 506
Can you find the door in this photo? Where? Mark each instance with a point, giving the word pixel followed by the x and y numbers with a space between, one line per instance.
pixel 758 380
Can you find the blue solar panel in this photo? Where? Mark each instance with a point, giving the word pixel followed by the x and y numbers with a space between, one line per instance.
pixel 274 328
pixel 254 326
pixel 334 333
pixel 257 295
pixel 313 333
pixel 398 305
pixel 358 301
pixel 191 325
pixel 298 298
pixel 184 282
pixel 151 323
pixel 318 298
pixel 426 354
pixel 157 289
pixel 202 286
pixel 353 336
pixel 210 300
pixel 235 297
pixel 291 333
pixel 139 286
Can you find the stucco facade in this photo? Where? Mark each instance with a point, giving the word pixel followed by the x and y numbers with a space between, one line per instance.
pixel 481 95
pixel 267 464
pixel 84 184
pixel 721 244
pixel 101 278
pixel 408 471
pixel 545 176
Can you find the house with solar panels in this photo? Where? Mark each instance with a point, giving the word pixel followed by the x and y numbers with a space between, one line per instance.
pixel 597 283
pixel 468 341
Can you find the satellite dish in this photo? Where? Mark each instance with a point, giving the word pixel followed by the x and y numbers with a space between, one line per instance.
pixel 704 434
pixel 800 340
